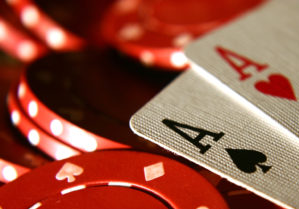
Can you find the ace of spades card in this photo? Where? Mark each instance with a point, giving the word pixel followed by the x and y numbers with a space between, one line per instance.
pixel 235 111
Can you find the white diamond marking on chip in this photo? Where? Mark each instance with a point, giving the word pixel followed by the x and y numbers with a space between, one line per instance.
pixel 154 171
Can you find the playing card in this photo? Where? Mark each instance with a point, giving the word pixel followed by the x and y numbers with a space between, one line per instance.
pixel 256 56
pixel 194 119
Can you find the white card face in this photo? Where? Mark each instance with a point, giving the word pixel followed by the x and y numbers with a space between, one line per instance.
pixel 196 120
pixel 257 57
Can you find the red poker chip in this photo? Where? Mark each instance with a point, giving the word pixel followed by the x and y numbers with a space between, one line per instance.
pixel 18 44
pixel 85 99
pixel 35 135
pixel 59 184
pixel 55 125
pixel 155 31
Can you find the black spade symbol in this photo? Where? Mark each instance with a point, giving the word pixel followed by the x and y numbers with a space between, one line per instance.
pixel 247 160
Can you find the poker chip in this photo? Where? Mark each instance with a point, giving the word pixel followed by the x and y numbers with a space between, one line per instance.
pixel 10 171
pixel 155 31
pixel 83 178
pixel 85 99
pixel 18 44
pixel 60 127
pixel 35 135
pixel 54 35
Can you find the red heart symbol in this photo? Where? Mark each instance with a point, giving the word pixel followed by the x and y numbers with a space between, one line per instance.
pixel 278 86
